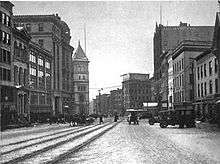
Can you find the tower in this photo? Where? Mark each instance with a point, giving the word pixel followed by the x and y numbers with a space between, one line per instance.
pixel 81 81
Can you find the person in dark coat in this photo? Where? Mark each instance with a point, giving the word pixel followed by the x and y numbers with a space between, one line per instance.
pixel 100 119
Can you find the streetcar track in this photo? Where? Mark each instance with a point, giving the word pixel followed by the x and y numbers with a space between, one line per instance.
pixel 34 153
pixel 78 147
pixel 35 138
pixel 47 140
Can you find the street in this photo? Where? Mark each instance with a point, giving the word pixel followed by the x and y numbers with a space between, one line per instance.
pixel 111 143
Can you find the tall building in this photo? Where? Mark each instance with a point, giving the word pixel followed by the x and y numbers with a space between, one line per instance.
pixel 136 88
pixel 80 81
pixel 166 38
pixel 7 101
pixel 53 34
pixel 183 71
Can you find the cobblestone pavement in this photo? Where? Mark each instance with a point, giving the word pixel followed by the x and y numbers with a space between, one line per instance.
pixel 151 144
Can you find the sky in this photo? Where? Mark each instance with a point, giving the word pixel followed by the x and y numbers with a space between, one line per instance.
pixel 119 34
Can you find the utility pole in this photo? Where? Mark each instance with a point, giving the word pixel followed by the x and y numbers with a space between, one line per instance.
pixel 99 105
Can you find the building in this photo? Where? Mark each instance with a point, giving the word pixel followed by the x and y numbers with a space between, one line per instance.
pixel 20 46
pixel 7 102
pixel 80 81
pixel 40 69
pixel 136 88
pixel 116 102
pixel 206 85
pixel 53 34
pixel 167 38
pixel 104 104
pixel 170 79
pixel 183 71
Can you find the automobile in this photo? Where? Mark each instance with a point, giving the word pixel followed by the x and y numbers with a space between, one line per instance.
pixel 133 117
pixel 153 119
pixel 177 117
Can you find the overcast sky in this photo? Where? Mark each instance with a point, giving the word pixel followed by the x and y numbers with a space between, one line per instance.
pixel 119 34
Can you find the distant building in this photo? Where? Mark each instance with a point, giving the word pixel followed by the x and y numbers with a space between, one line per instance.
pixel 104 102
pixel 53 34
pixel 136 88
pixel 116 101
pixel 183 74
pixel 206 84
pixel 80 81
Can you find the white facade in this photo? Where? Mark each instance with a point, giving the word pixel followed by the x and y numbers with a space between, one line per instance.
pixel 170 81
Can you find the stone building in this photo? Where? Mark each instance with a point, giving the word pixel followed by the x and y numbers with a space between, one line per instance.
pixel 206 85
pixel 53 34
pixel 116 102
pixel 136 88
pixel 40 63
pixel 80 81
pixel 183 71
pixel 166 38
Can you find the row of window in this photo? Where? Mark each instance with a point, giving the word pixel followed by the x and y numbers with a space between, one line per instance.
pixel 40 27
pixel 81 88
pixel 5 56
pixel 178 81
pixel 41 82
pixel 20 76
pixel 179 96
pixel 178 66
pixel 40 60
pixel 5 74
pixel 202 88
pixel 5 38
pixel 40 99
pixel 5 19
pixel 201 71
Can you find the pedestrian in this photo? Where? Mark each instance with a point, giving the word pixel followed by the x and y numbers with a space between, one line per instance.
pixel 100 119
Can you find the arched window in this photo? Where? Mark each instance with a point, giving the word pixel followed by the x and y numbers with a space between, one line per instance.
pixel 81 98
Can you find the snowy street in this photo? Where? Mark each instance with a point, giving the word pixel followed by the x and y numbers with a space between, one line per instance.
pixel 110 143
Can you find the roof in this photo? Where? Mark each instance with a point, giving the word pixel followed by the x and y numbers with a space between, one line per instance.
pixel 203 54
pixel 79 54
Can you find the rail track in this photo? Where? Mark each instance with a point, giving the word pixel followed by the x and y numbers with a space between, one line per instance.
pixel 52 147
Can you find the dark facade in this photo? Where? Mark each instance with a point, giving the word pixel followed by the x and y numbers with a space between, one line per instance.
pixel 136 89
pixel 53 34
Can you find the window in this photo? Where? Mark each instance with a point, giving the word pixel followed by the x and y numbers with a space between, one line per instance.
pixel 3 18
pixel 34 98
pixel 210 87
pixel 5 56
pixel 205 90
pixel 201 89
pixel 6 38
pixel 40 73
pixel 198 88
pixel 216 65
pixel 47 64
pixel 41 27
pixel 32 57
pixel 41 98
pixel 41 42
pixel 8 21
pixel 40 62
pixel 198 73
pixel 204 70
pixel 33 71
pixel 216 85
pixel 182 64
pixel 210 68
pixel 201 71
pixel 48 99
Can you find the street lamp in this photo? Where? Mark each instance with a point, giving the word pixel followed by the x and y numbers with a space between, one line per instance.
pixel 99 111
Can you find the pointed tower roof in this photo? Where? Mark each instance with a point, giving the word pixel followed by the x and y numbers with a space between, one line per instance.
pixel 80 54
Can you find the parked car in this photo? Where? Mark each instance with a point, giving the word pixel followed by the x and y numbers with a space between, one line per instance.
pixel 153 120
pixel 177 117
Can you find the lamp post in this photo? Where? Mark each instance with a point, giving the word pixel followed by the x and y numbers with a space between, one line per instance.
pixel 99 104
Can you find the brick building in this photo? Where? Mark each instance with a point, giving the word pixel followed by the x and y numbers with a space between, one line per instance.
pixel 136 88
pixel 53 34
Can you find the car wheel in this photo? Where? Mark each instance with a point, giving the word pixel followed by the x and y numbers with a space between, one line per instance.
pixel 151 122
pixel 163 125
